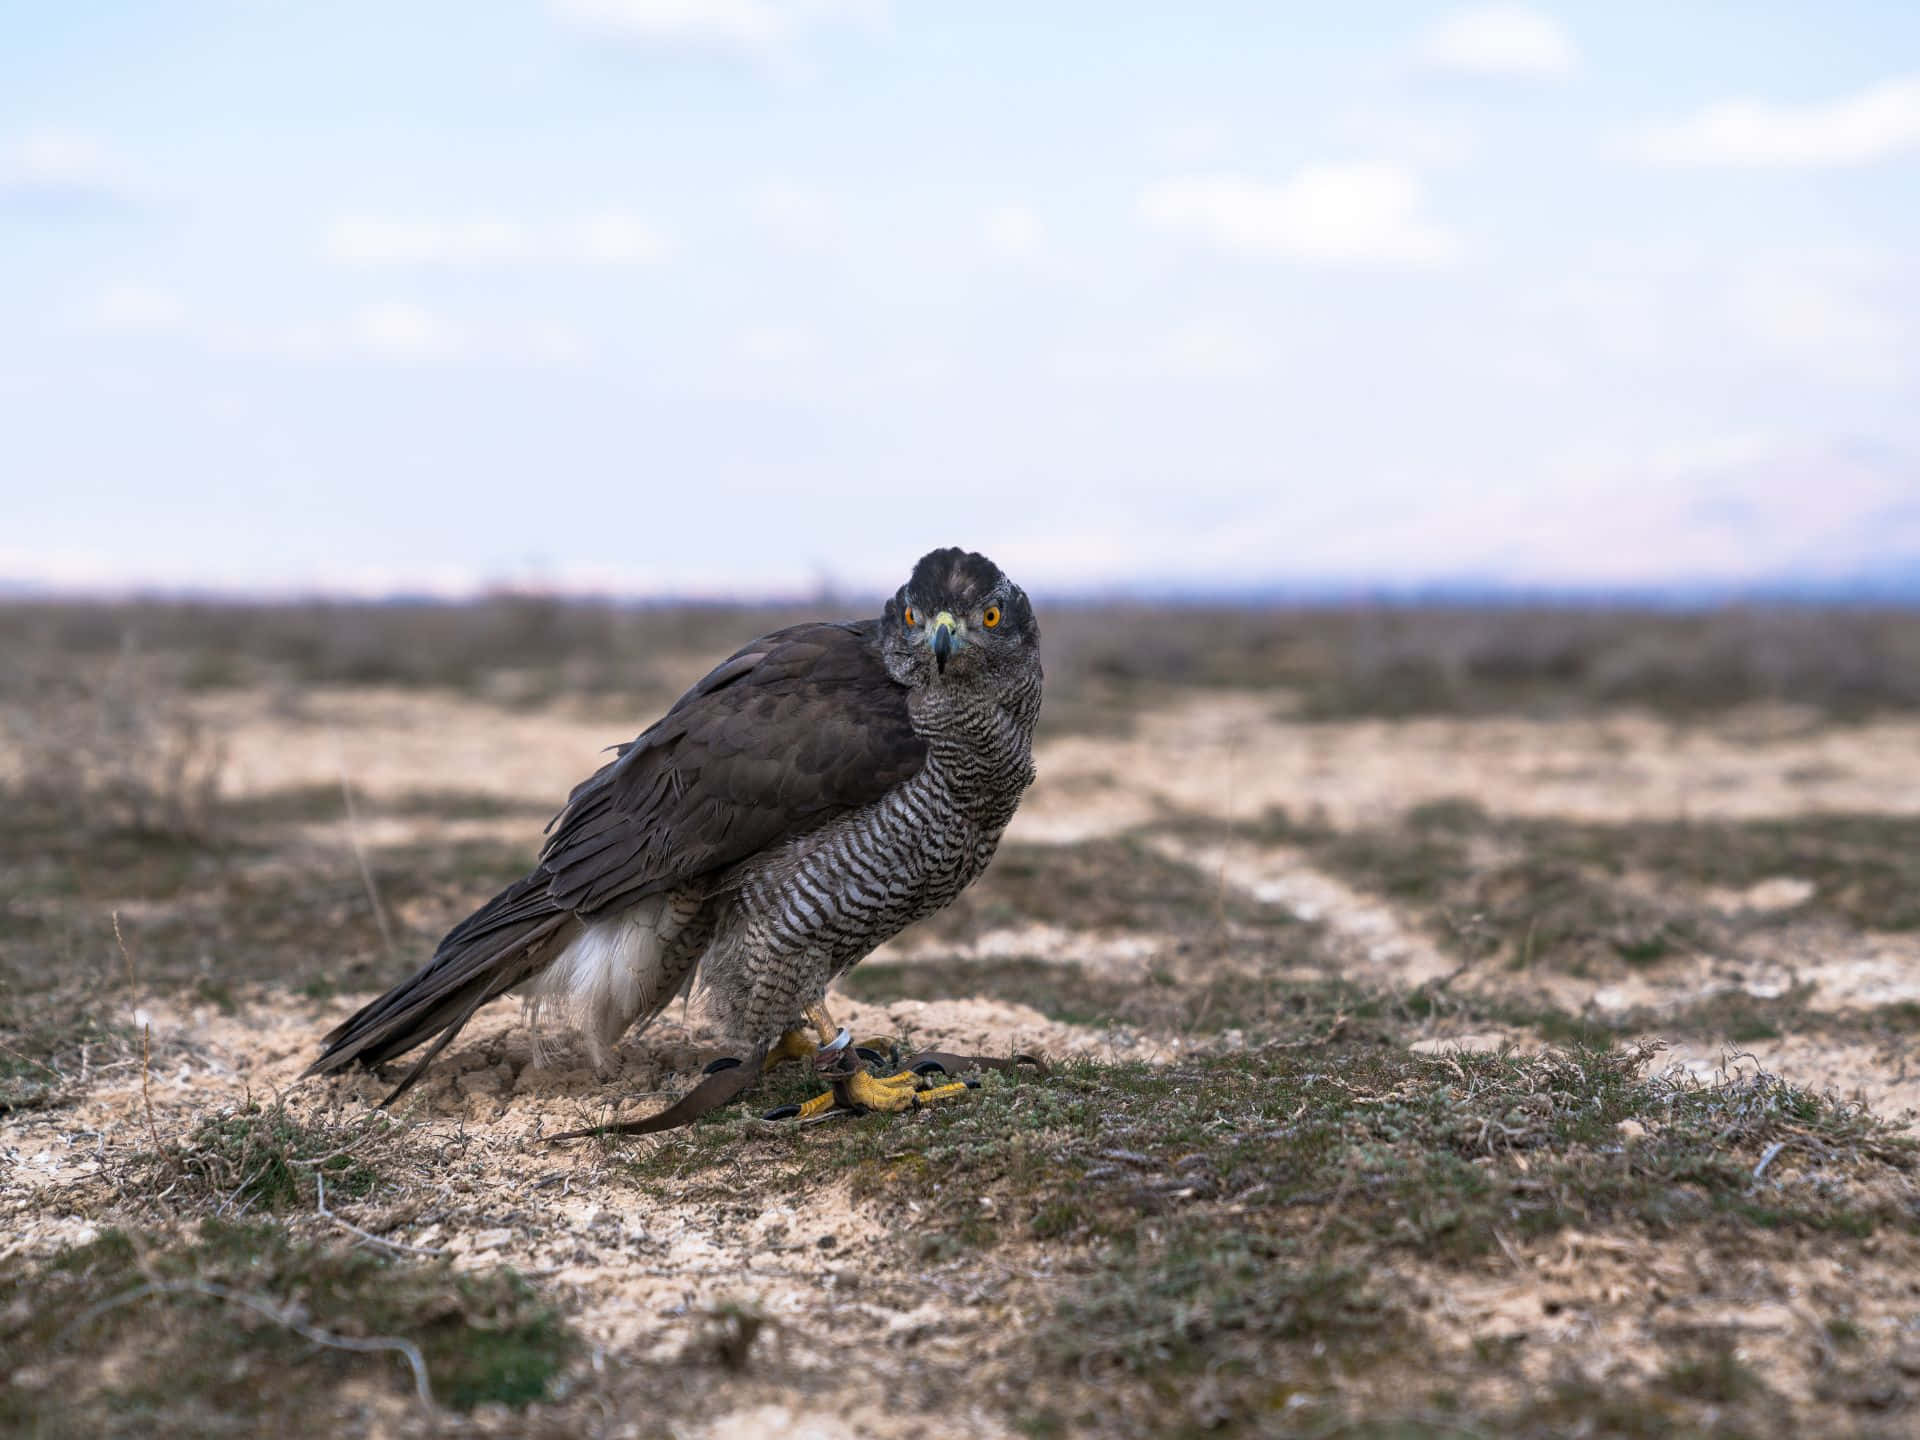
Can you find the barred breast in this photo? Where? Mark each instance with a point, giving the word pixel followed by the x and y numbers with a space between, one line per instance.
pixel 816 907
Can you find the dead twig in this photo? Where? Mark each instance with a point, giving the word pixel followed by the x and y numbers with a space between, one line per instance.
pixel 360 854
pixel 320 1188
pixel 146 1038
pixel 38 1064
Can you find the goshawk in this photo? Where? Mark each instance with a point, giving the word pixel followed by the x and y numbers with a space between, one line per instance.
pixel 818 791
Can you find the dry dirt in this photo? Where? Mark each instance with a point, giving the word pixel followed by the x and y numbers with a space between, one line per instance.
pixel 640 1263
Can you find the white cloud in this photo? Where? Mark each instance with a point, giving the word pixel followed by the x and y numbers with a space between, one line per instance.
pixel 1854 130
pixel 798 214
pixel 1203 351
pixel 1834 320
pixel 601 240
pixel 402 328
pixel 1360 214
pixel 761 30
pixel 1741 509
pixel 57 165
pixel 771 345
pixel 1499 40
pixel 556 347
pixel 1421 137
pixel 1012 234
pixel 133 310
pixel 619 240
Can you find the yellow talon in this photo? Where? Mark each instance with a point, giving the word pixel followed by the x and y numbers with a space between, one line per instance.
pixel 794 1045
pixel 818 1105
pixel 859 1091
pixel 889 1093
pixel 941 1092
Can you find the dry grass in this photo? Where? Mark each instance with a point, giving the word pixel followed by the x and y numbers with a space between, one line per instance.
pixel 1250 1207
pixel 1341 661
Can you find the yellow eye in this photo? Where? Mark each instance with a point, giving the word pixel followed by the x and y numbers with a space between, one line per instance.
pixel 992 617
pixel 910 617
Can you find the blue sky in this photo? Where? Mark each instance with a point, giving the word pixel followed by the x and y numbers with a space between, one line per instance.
pixel 724 296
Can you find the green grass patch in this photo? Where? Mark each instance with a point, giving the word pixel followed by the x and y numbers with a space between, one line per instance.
pixel 45 1048
pixel 1731 1016
pixel 251 1158
pixel 1558 894
pixel 319 803
pixel 214 1333
pixel 1379 1147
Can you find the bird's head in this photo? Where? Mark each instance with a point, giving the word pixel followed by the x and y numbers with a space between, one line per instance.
pixel 959 621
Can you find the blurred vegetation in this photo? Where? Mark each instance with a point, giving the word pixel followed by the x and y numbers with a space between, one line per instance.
pixel 246 1329
pixel 1339 660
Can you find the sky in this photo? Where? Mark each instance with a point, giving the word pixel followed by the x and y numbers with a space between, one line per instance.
pixel 717 297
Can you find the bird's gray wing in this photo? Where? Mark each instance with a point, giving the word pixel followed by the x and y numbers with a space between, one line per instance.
pixel 802 725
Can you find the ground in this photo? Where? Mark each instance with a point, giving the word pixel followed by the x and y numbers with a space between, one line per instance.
pixel 1474 1051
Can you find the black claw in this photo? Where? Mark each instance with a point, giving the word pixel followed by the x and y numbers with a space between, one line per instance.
pixel 929 1067
pixel 971 1084
pixel 725 1062
pixel 781 1112
pixel 870 1055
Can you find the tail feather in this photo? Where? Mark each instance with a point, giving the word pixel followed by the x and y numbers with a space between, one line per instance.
pixel 499 946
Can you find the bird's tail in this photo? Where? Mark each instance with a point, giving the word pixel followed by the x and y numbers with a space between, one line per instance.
pixel 500 945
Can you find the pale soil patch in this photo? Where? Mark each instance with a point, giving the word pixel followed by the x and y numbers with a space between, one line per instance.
pixel 483 1089
pixel 1376 944
pixel 1616 1311
pixel 646 1273
pixel 399 742
pixel 1113 951
pixel 642 1274
pixel 1236 756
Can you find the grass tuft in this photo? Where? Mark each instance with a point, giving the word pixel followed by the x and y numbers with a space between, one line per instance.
pixel 251 1158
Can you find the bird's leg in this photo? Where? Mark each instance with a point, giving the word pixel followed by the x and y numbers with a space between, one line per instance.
pixel 822 1021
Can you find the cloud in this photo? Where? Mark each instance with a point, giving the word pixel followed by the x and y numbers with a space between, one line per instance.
pixel 765 31
pixel 1012 234
pixel 133 310
pixel 1356 214
pixel 1499 40
pixel 798 214
pixel 773 345
pixel 1420 137
pixel 597 240
pixel 1833 320
pixel 59 170
pixel 401 328
pixel 1747 510
pixel 1200 351
pixel 1879 122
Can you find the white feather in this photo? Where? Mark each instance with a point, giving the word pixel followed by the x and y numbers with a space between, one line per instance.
pixel 611 974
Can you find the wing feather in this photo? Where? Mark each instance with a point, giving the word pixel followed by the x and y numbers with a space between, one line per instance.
pixel 796 728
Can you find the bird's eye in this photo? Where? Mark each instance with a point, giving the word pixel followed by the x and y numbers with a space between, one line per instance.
pixel 910 617
pixel 992 617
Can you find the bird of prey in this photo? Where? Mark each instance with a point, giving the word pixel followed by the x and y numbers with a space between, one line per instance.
pixel 819 790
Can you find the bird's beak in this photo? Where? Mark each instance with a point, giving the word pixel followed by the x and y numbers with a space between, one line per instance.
pixel 941 637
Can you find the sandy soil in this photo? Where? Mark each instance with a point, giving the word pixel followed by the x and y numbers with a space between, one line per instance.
pixel 641 1271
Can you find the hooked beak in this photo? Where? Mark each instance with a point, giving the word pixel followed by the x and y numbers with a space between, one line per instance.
pixel 941 636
